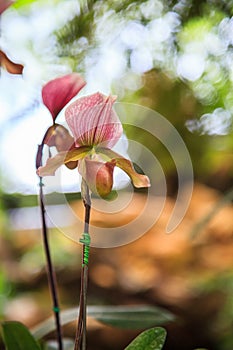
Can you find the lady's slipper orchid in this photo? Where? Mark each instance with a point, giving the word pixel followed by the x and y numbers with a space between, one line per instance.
pixel 55 95
pixel 96 129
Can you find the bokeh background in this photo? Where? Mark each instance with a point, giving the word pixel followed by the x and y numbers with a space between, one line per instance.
pixel 174 57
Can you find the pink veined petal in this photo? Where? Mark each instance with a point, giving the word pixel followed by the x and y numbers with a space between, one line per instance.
pixel 126 165
pixel 98 175
pixel 58 92
pixel 93 121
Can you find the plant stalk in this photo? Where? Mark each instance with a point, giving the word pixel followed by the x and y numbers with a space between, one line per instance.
pixel 50 271
pixel 80 337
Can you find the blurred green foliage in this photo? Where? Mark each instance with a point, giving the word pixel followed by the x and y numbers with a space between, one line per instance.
pixel 197 101
pixel 171 36
pixel 223 323
pixel 173 56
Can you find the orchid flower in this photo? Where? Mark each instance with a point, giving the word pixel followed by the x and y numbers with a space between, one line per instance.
pixel 55 95
pixel 96 128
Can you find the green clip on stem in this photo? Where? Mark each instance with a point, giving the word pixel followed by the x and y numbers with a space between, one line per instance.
pixel 86 240
pixel 41 182
pixel 56 309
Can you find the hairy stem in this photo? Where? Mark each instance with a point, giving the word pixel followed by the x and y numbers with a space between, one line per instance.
pixel 80 337
pixel 50 271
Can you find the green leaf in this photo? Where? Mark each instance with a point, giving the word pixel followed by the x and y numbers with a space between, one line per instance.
pixel 17 337
pixel 132 317
pixel 151 339
pixel 126 317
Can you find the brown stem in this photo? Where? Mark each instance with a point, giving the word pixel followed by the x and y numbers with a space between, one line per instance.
pixel 85 282
pixel 79 330
pixel 80 337
pixel 50 270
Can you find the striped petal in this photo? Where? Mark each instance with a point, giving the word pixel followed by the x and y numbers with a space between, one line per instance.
pixel 93 121
pixel 58 92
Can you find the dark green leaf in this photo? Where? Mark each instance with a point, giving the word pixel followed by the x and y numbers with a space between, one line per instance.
pixel 17 337
pixel 128 317
pixel 151 339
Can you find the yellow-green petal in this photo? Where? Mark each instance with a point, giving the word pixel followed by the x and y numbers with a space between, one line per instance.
pixel 126 165
pixel 53 163
pixel 77 153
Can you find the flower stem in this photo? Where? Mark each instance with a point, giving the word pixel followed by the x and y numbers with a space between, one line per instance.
pixel 50 271
pixel 80 337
